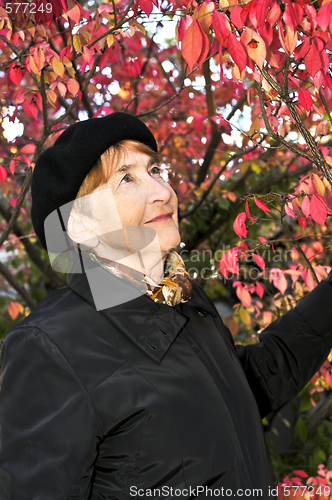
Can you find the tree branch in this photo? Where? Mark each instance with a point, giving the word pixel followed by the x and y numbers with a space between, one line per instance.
pixel 31 249
pixel 31 303
pixel 200 238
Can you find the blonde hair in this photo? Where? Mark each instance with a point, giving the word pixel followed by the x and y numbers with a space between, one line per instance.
pixel 103 169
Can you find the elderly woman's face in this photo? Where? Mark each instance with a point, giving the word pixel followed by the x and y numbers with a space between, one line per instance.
pixel 140 195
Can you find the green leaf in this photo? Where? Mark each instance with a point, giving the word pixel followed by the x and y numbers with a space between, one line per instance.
pixel 223 203
pixel 301 429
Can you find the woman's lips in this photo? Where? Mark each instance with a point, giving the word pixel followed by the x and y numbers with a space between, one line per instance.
pixel 161 218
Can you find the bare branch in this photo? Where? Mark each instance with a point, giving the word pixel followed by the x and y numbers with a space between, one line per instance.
pixel 31 303
pixel 31 249
pixel 215 179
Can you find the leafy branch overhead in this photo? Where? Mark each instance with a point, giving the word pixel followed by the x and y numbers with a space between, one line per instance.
pixel 239 97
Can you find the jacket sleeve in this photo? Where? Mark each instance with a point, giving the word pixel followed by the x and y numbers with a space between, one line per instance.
pixel 290 350
pixel 48 427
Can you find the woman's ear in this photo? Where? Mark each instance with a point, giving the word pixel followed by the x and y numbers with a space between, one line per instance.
pixel 79 231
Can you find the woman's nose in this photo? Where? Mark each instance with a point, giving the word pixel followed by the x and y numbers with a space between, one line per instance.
pixel 157 190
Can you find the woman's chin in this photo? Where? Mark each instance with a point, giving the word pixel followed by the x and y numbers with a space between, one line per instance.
pixel 168 244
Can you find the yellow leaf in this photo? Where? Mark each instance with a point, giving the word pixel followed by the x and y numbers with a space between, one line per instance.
pixel 319 185
pixel 2 22
pixel 328 160
pixel 329 358
pixel 85 33
pixel 33 66
pixel 71 72
pixel 67 62
pixel 51 97
pixel 77 44
pixel 58 67
pixel 40 59
pixel 102 43
pixel 110 40
pixel 256 168
pixel 32 31
pixel 244 316
pixel 41 29
pixel 138 26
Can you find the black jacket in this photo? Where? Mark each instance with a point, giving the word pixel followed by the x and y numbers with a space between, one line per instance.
pixel 143 396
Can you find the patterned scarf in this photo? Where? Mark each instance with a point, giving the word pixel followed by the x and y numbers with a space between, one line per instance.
pixel 173 288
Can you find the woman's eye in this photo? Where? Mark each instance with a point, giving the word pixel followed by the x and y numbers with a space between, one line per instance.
pixel 125 177
pixel 156 172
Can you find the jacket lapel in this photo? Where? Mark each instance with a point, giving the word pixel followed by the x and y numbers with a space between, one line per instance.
pixel 149 325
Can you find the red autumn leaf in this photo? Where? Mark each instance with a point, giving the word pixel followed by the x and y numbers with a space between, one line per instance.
pixel 229 262
pixel 205 48
pixel 146 6
pixel 318 210
pixel 302 49
pixel 288 38
pixel 62 89
pixel 3 174
pixel 12 166
pixel 262 205
pixel 250 217
pixel 278 279
pixel 289 209
pixel 15 74
pixel 192 44
pixel 262 239
pixel 306 206
pixel 183 25
pixel 324 16
pixel 88 55
pixel 28 149
pixel 293 14
pixel 75 13
pixel 305 99
pixel 236 16
pixel 259 260
pixel 237 51
pixel 274 13
pixel 300 473
pixel 183 187
pixel 73 86
pixel 308 279
pixel 30 109
pixel 312 60
pixel 14 309
pixel 205 16
pixel 239 225
pixel 243 295
pixel 221 26
pixel 302 221
pixel 254 45
pixel 259 289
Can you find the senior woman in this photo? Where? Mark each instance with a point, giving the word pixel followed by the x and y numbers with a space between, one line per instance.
pixel 125 383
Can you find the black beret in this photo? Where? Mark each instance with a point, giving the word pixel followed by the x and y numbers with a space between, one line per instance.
pixel 61 169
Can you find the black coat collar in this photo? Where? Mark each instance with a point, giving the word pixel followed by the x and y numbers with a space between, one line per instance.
pixel 149 325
